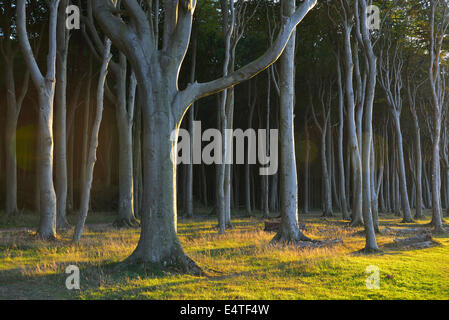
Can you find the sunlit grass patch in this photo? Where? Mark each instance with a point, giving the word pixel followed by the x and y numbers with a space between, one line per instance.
pixel 240 264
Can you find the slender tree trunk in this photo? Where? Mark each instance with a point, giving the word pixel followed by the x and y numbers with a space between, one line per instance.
pixel 60 158
pixel 371 244
pixel 418 155
pixel 85 136
pixel 46 90
pixel 343 201
pixel 93 144
pixel 402 175
pixel 188 209
pixel 289 230
pixel 306 165
pixel 251 106
pixel 356 217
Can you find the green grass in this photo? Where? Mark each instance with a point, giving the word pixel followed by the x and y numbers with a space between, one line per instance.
pixel 239 265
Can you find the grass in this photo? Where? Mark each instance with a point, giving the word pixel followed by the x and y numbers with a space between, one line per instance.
pixel 239 264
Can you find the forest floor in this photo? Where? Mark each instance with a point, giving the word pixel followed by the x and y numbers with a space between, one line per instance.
pixel 240 264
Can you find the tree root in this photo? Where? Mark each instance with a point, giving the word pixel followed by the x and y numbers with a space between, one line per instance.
pixel 180 264
pixel 356 223
pixel 290 238
pixel 407 220
pixel 43 237
pixel 370 250
pixel 438 230
pixel 303 241
pixel 126 223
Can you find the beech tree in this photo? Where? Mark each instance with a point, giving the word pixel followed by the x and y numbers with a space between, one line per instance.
pixel 60 156
pixel 438 28
pixel 93 144
pixel 164 104
pixel 288 229
pixel 45 85
pixel 325 95
pixel 390 76
pixel 123 96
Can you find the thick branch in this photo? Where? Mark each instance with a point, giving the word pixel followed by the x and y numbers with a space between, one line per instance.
pixel 198 90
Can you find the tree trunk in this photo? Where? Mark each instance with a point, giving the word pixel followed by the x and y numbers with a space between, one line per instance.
pixel 188 209
pixel 341 168
pixel 60 157
pixel 46 90
pixel 356 217
pixel 402 175
pixel 289 230
pixel 418 154
pixel 93 144
pixel 370 244
pixel 163 108
pixel 125 209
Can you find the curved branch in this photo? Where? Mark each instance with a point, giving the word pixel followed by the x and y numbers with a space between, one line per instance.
pixel 198 90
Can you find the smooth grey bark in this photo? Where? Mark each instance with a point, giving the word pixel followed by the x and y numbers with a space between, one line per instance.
pixel 353 145
pixel 137 153
pixel 124 101
pixel 86 125
pixel 374 189
pixel 289 230
pixel 436 80
pixel 341 168
pixel 222 194
pixel 370 244
pixel 164 105
pixel 266 181
pixel 234 23
pixel 60 124
pixel 251 105
pixel 45 86
pixel 411 94
pixel 323 128
pixel 188 208
pixel 391 81
pixel 93 144
pixel 125 117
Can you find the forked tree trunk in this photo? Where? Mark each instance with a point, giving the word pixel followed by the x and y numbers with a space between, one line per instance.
pixel 93 144
pixel 159 243
pixel 438 93
pixel 46 90
pixel 356 216
pixel 163 108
